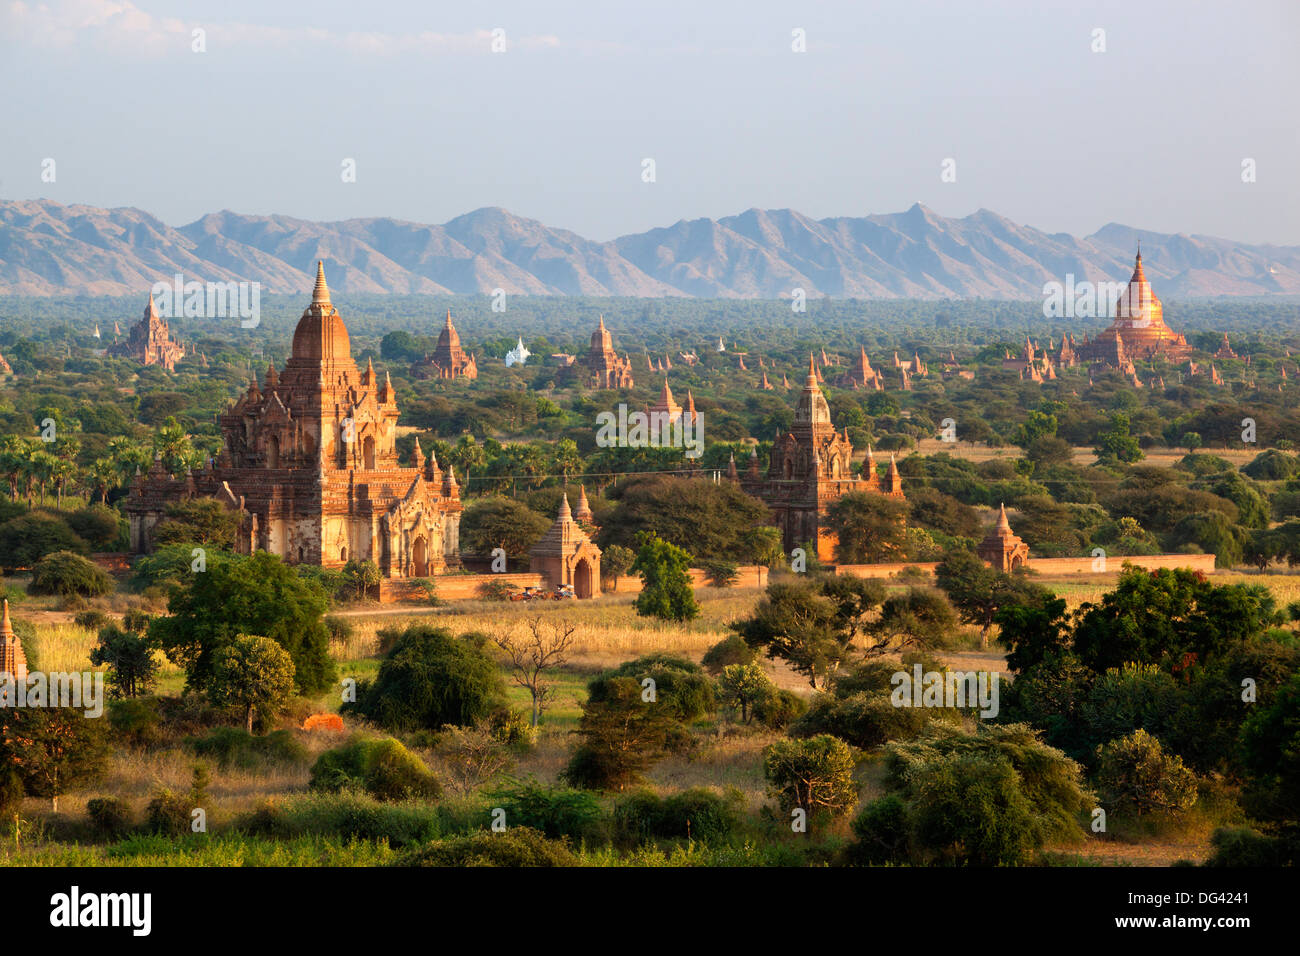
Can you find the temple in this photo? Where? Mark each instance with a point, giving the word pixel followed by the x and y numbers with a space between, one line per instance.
pixel 448 360
pixel 1138 332
pixel 1001 547
pixel 601 367
pixel 566 556
pixel 309 463
pixel 150 341
pixel 13 659
pixel 810 467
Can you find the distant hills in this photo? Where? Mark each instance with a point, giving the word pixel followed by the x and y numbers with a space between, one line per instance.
pixel 49 249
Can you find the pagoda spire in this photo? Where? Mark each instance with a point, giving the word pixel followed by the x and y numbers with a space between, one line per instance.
pixel 321 294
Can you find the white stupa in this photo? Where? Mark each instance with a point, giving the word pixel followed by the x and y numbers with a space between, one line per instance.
pixel 721 346
pixel 517 355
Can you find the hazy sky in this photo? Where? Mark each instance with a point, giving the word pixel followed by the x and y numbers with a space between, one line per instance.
pixel 1152 132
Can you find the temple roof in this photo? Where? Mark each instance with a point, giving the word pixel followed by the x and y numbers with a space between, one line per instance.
pixel 321 335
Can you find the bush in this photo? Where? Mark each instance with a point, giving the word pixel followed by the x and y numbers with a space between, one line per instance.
pixel 863 720
pixel 66 573
pixel 779 709
pixel 972 808
pixel 236 747
pixel 680 684
pixel 622 734
pixel 11 792
pixel 135 722
pixel 382 768
pixel 814 775
pixel 1135 774
pixel 516 847
pixel 168 813
pixel 430 679
pixel 111 816
pixel 495 589
pixel 742 686
pixel 1244 847
pixel 697 814
pixel 730 650
pixel 98 525
pixel 91 620
pixel 882 831
pixel 720 574
pixel 26 539
pixel 554 811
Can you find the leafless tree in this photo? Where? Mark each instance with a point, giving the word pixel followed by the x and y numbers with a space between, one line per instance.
pixel 531 655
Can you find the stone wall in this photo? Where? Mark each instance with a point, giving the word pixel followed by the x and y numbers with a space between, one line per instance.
pixel 1052 566
pixel 464 587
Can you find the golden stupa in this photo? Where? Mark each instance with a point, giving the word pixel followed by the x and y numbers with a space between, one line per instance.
pixel 1139 330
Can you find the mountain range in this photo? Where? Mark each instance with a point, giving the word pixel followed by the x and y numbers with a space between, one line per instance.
pixel 50 249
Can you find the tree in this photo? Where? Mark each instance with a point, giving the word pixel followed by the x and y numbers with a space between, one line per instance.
pixel 796 623
pixel 1135 774
pixel 254 674
pixel 28 538
pixel 359 577
pixel 203 521
pixel 714 521
pixel 743 686
pixel 1116 444
pixel 814 775
pixel 919 618
pixel 623 734
pixel 65 573
pixel 430 679
pixel 491 523
pixel 129 656
pixel 978 591
pixel 666 591
pixel 54 749
pixel 530 657
pixel 869 528
pixel 252 594
pixel 616 561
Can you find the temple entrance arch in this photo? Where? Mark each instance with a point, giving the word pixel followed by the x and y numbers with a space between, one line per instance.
pixel 420 557
pixel 368 453
pixel 273 452
pixel 582 578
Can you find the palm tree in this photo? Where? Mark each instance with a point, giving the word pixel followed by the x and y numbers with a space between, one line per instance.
pixel 14 454
pixel 102 474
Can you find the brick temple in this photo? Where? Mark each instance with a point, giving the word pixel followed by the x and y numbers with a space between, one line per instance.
pixel 1139 332
pixel 809 468
pixel 601 367
pixel 309 462
pixel 448 360
pixel 149 341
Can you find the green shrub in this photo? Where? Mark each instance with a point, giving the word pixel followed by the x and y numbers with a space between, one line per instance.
pixel 971 808
pixel 813 775
pixel 348 816
pixel 554 811
pixel 681 685
pixel 516 847
pixel 66 573
pixel 1134 774
pixel 11 792
pixel 864 720
pixel 236 747
pixel 91 620
pixel 168 813
pixel 882 831
pixel 382 768
pixel 1244 847
pixel 111 816
pixel 779 709
pixel 431 678
pixel 730 650
pixel 512 727
pixel 494 589
pixel 136 721
pixel 697 814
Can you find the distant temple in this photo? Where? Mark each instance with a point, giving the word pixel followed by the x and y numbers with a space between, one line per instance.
pixel 1001 547
pixel 150 341
pixel 518 355
pixel 809 468
pixel 448 360
pixel 310 465
pixel 1138 333
pixel 601 367
pixel 13 659
pixel 861 374
pixel 566 556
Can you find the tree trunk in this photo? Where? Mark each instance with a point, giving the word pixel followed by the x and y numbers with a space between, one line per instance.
pixel 250 718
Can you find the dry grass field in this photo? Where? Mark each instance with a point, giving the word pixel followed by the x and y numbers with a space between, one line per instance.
pixel 608 632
